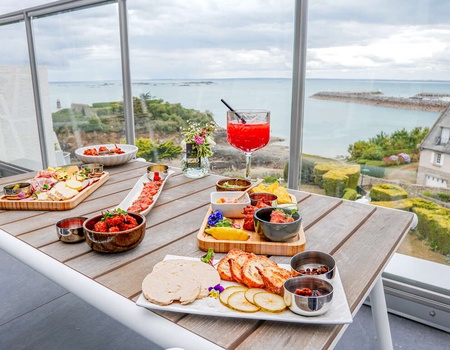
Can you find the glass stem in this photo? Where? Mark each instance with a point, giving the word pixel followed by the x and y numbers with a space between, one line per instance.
pixel 248 159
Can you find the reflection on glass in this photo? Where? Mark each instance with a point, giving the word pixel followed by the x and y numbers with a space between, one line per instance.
pixel 19 139
pixel 81 53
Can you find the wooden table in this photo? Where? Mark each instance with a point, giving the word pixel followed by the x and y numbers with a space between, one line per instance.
pixel 362 238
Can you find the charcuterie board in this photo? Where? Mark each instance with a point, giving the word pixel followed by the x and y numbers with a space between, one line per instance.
pixel 53 205
pixel 255 244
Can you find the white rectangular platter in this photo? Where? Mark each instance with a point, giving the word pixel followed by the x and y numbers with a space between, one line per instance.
pixel 136 190
pixel 339 312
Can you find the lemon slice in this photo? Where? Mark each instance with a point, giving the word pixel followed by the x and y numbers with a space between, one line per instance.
pixel 227 233
pixel 223 297
pixel 237 301
pixel 269 302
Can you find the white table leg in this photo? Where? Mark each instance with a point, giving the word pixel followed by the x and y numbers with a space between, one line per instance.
pixel 380 316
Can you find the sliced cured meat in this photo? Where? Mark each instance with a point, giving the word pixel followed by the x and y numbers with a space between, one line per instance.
pixel 179 280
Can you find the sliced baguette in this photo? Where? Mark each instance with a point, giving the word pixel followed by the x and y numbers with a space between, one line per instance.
pixel 236 265
pixel 250 275
pixel 274 278
pixel 223 267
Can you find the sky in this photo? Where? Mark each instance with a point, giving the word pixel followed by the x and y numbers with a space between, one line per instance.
pixel 347 39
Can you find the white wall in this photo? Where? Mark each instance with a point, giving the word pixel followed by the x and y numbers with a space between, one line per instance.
pixel 19 139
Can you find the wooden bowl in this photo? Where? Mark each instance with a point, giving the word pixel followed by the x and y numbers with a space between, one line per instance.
pixel 233 184
pixel 114 242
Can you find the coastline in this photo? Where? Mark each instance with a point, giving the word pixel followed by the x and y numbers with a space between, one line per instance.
pixel 424 102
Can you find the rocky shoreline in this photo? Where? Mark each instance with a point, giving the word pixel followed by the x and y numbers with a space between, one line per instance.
pixel 424 102
pixel 229 161
pixel 227 158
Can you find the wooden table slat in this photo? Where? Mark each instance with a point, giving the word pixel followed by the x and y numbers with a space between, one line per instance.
pixel 361 237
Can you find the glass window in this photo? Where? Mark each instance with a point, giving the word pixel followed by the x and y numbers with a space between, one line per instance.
pixel 19 139
pixel 190 55
pixel 79 55
pixel 376 85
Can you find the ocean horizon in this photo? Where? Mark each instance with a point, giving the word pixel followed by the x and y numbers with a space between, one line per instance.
pixel 329 126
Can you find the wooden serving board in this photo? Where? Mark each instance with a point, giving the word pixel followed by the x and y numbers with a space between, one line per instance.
pixel 53 205
pixel 255 244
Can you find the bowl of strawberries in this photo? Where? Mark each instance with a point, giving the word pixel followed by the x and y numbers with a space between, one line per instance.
pixel 114 231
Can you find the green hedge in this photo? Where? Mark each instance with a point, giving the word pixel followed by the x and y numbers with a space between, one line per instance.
pixel 307 171
pixel 334 177
pixel 320 169
pixel 434 225
pixel 350 194
pixel 434 220
pixel 334 182
pixel 387 192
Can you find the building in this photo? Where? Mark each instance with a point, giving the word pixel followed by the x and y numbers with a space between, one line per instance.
pixel 434 163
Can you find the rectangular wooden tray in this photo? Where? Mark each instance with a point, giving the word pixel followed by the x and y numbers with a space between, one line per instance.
pixel 255 244
pixel 53 205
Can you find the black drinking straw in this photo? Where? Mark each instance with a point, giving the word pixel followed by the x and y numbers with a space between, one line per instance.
pixel 231 109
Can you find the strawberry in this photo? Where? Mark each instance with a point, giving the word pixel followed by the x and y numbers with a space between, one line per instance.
pixel 100 226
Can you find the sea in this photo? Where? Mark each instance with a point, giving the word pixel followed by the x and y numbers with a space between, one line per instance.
pixel 329 126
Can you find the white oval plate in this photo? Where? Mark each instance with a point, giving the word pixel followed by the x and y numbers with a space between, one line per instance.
pixel 136 190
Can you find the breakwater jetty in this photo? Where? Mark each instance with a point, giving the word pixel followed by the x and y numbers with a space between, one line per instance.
pixel 431 102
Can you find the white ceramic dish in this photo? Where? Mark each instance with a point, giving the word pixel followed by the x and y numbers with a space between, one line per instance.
pixel 108 160
pixel 136 190
pixel 338 314
pixel 230 210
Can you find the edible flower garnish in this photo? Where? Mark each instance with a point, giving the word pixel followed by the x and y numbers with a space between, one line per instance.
pixel 216 219
pixel 215 291
pixel 208 258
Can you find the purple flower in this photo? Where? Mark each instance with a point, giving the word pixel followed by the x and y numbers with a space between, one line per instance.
pixel 199 140
pixel 214 218
pixel 216 290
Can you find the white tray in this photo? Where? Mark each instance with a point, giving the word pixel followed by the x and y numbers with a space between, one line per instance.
pixel 339 312
pixel 136 190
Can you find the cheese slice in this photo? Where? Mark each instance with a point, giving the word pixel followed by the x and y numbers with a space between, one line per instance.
pixel 66 193
pixel 74 184
pixel 43 196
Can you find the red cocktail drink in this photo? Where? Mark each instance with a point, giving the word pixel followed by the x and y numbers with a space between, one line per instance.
pixel 248 137
pixel 248 131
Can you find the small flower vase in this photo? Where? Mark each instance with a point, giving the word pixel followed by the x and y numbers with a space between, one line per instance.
pixel 192 165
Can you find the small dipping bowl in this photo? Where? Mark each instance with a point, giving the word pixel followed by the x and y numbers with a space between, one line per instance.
pixel 268 198
pixel 230 210
pixel 233 184
pixel 70 230
pixel 157 172
pixel 313 260
pixel 276 232
pixel 314 305
pixel 94 170
pixel 19 190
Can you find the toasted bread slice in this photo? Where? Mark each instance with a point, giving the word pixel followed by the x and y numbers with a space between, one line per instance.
pixel 236 265
pixel 223 267
pixel 274 278
pixel 250 275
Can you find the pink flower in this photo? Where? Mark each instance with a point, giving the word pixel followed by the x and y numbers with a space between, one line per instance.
pixel 199 140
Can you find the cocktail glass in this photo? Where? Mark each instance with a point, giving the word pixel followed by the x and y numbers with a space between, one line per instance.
pixel 248 131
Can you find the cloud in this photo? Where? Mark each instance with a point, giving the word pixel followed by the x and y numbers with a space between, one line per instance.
pixel 405 49
pixel 386 39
